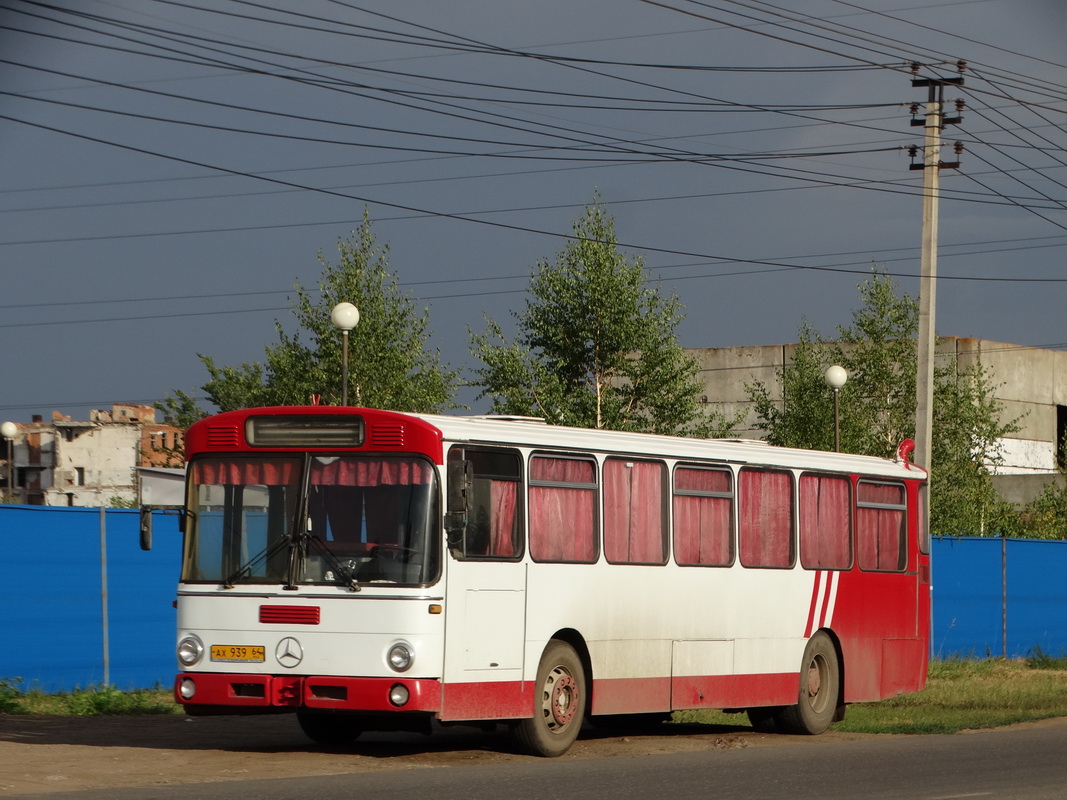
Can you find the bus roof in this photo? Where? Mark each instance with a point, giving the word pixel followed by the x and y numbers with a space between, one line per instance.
pixel 534 433
pixel 427 433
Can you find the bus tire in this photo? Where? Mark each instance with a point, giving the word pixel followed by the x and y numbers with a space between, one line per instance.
pixel 820 690
pixel 559 703
pixel 764 719
pixel 331 730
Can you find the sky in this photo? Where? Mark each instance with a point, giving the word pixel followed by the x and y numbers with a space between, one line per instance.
pixel 172 168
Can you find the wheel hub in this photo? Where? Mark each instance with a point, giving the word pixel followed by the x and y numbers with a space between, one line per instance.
pixel 563 698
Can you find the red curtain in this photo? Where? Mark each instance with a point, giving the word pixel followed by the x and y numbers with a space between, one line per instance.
pixel 339 471
pixel 562 470
pixel 880 543
pixel 702 529
pixel 369 472
pixel 766 518
pixel 246 472
pixel 633 512
pixel 825 522
pixel 562 518
pixel 504 498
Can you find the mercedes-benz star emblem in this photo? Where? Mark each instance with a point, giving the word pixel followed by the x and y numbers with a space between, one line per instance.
pixel 289 652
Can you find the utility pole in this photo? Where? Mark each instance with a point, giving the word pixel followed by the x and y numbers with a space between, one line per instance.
pixel 931 165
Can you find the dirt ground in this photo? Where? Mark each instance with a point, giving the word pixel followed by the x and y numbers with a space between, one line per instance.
pixel 53 754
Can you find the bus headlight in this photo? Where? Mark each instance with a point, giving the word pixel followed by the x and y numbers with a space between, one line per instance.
pixel 401 656
pixel 190 650
pixel 187 688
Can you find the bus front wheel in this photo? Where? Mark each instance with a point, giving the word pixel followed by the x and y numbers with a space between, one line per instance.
pixel 331 730
pixel 559 703
pixel 820 690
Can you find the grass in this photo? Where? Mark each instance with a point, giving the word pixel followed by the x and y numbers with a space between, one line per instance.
pixel 96 700
pixel 959 695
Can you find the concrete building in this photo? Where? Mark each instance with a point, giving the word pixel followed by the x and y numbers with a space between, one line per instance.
pixel 65 462
pixel 1029 382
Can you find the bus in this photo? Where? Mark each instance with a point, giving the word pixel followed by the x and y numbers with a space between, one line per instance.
pixel 370 570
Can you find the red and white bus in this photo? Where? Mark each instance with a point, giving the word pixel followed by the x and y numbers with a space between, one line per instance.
pixel 372 570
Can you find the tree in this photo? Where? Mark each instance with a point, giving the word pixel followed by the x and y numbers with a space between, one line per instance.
pixel 180 409
pixel 595 346
pixel 878 350
pixel 389 364
pixel 1045 517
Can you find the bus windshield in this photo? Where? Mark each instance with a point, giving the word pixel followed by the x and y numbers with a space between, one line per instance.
pixel 306 519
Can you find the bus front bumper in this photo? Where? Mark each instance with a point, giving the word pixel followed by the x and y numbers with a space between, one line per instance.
pixel 195 690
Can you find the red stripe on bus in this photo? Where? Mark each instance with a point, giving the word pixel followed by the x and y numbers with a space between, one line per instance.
pixel 734 691
pixel 826 598
pixel 496 700
pixel 631 695
pixel 811 608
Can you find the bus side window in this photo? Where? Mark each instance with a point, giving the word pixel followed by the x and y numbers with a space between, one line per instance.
pixel 635 512
pixel 881 518
pixel 563 509
pixel 703 516
pixel 493 525
pixel 825 521
pixel 765 511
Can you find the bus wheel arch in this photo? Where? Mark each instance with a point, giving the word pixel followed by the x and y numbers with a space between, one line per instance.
pixel 560 699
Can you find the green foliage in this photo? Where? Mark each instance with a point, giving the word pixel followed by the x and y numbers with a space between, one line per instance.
pixel 9 695
pixel 1039 659
pixel 595 346
pixel 121 502
pixel 389 364
pixel 93 701
pixel 959 695
pixel 179 409
pixel 1045 517
pixel 878 350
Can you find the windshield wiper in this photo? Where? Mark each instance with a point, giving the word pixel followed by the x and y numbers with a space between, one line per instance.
pixel 298 535
pixel 342 574
pixel 246 568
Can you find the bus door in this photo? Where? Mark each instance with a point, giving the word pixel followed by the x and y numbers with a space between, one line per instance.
pixel 486 586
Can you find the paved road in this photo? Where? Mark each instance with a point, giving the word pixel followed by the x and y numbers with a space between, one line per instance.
pixel 1020 764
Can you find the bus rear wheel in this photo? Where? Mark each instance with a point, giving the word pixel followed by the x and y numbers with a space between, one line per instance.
pixel 559 703
pixel 331 730
pixel 820 690
pixel 764 719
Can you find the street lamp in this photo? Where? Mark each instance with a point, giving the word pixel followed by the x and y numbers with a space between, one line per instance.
pixel 344 317
pixel 835 378
pixel 9 430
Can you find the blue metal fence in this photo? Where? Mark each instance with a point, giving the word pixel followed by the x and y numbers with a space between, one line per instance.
pixel 999 597
pixel 83 605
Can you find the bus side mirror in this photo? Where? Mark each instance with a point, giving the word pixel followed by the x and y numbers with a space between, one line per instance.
pixel 146 522
pixel 146 528
pixel 460 486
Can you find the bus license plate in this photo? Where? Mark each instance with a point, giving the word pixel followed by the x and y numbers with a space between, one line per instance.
pixel 238 653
